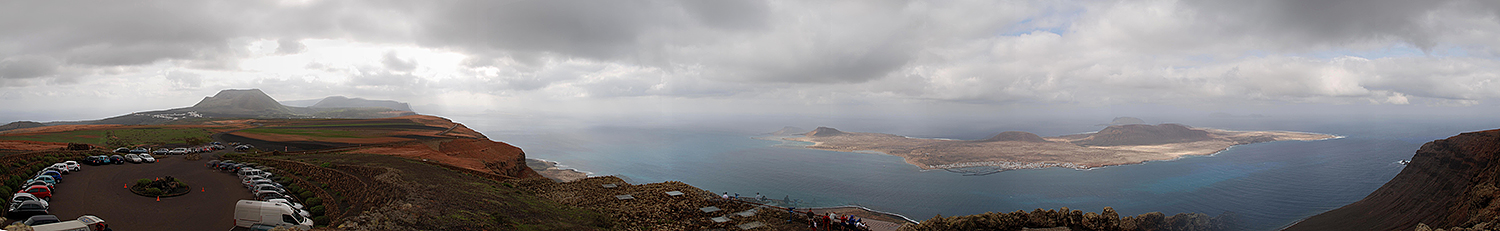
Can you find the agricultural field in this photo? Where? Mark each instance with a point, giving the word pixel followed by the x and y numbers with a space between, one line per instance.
pixel 120 136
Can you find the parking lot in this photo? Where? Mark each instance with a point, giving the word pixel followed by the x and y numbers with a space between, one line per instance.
pixel 100 191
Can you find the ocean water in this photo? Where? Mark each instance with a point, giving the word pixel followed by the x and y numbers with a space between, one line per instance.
pixel 1266 185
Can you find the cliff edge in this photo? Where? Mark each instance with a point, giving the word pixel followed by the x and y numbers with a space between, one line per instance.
pixel 1449 183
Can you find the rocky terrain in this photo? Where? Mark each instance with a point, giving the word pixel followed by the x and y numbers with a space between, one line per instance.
pixel 1114 145
pixel 1448 183
pixel 1067 219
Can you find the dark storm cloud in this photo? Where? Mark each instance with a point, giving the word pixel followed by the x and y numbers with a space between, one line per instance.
pixel 27 67
pixel 110 33
pixel 1337 22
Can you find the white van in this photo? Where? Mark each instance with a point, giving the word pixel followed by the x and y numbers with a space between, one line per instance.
pixel 83 223
pixel 249 213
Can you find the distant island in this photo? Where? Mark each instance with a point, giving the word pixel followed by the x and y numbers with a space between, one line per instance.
pixel 1114 145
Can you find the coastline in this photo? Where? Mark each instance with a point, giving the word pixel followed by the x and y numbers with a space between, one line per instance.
pixel 556 171
pixel 987 163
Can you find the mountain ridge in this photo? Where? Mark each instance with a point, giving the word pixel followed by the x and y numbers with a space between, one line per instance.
pixel 252 103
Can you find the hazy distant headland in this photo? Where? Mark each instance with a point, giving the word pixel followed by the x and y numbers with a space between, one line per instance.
pixel 1118 144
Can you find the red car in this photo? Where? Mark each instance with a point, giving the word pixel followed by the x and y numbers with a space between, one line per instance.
pixel 39 191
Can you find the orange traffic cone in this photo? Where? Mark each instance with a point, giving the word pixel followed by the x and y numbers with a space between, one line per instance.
pixel 127 185
pixel 201 190
pixel 158 198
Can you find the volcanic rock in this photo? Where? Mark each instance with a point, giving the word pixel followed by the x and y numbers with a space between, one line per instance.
pixel 1449 183
pixel 824 132
pixel 1142 134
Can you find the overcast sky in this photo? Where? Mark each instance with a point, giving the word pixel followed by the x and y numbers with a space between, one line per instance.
pixel 67 60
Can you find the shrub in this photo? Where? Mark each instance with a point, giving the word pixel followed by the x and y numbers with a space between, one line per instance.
pixel 153 191
pixel 314 201
pixel 306 194
pixel 316 210
pixel 142 181
pixel 320 221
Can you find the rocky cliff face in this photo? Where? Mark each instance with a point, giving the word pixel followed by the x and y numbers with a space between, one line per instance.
pixel 1142 134
pixel 824 132
pixel 1449 183
pixel 1015 136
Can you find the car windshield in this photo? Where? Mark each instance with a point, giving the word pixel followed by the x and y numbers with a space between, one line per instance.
pixel 20 199
pixel 299 217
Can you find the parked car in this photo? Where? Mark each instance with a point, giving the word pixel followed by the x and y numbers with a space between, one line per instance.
pixel 60 167
pixel 37 182
pixel 261 187
pixel 246 172
pixel 132 158
pixel 117 159
pixel 147 158
pixel 83 223
pixel 46 178
pixel 92 160
pixel 248 181
pixel 26 209
pixel 267 195
pixel 54 174
pixel 73 165
pixel 140 150
pixel 122 150
pixel 260 214
pixel 178 151
pixel 39 191
pixel 161 151
pixel 23 197
pixel 294 205
pixel 41 220
pixel 272 184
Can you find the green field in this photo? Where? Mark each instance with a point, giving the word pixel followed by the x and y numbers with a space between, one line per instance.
pixel 324 133
pixel 350 125
pixel 148 135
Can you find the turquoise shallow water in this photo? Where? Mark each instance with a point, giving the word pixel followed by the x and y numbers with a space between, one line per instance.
pixel 1267 185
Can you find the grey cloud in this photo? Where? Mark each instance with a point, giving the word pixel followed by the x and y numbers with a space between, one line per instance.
pixel 183 79
pixel 27 67
pixel 597 29
pixel 119 33
pixel 1339 22
pixel 289 46
pixel 729 14
pixel 393 62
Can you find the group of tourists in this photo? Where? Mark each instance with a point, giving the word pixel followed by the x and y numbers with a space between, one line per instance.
pixel 830 221
pixel 736 196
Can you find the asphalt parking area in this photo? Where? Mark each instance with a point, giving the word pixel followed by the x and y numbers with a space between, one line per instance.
pixel 100 190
